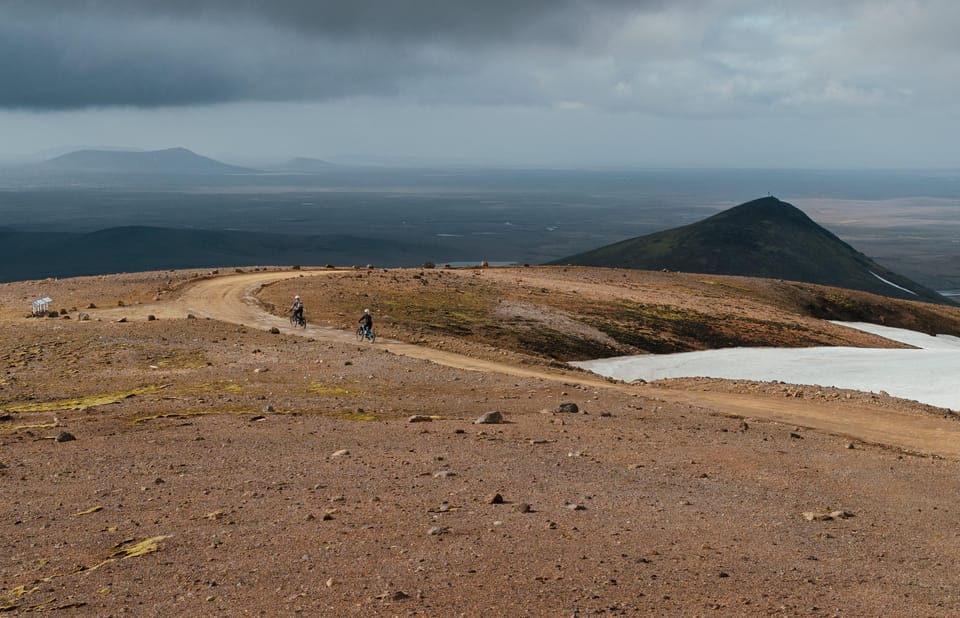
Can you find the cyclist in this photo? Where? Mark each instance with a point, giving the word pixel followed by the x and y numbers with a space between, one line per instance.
pixel 366 321
pixel 297 309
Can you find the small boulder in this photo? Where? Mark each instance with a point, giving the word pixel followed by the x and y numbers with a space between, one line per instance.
pixel 420 418
pixel 490 418
pixel 495 499
pixel 84 317
pixel 151 318
pixel 568 408
pixel 65 436
pixel 274 330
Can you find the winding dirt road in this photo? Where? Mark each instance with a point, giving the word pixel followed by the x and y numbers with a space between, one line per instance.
pixel 232 298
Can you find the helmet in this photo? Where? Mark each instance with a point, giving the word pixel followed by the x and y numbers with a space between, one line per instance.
pixel 366 311
pixel 297 297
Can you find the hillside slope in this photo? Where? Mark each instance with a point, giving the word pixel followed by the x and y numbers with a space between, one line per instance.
pixel 765 238
pixel 154 464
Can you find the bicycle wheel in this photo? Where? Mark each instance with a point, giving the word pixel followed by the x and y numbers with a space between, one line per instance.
pixel 371 336
pixel 360 335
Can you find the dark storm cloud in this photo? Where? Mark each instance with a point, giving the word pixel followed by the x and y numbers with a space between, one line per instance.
pixel 476 21
pixel 63 54
pixel 708 57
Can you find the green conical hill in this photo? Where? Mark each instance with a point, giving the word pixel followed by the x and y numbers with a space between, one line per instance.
pixel 762 238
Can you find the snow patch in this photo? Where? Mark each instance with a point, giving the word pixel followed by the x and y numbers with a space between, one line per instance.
pixel 926 374
pixel 891 283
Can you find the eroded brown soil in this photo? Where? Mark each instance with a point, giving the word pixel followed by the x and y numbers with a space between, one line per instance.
pixel 223 445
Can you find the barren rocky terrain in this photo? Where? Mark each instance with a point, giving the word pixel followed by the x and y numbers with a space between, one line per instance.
pixel 217 468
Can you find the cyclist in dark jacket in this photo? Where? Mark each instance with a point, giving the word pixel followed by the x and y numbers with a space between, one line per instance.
pixel 366 320
pixel 297 309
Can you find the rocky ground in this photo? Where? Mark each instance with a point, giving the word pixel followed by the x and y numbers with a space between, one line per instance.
pixel 218 469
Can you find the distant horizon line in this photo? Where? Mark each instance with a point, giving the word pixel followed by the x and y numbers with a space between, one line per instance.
pixel 388 162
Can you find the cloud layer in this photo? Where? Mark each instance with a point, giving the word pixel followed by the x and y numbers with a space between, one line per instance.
pixel 715 57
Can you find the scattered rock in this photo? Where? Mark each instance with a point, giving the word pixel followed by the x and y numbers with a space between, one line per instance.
pixel 151 318
pixel 327 517
pixel 84 317
pixel 444 474
pixel 444 507
pixel 539 441
pixel 258 417
pixel 568 408
pixel 420 418
pixel 850 445
pixel 490 418
pixel 267 408
pixel 438 530
pixel 5 416
pixel 826 515
pixel 342 452
pixel 274 330
pixel 523 507
pixel 65 436
pixel 495 499
pixel 122 320
pixel 190 316
pixel 261 370
pixel 575 507
pixel 795 436
pixel 398 595
pixel 91 306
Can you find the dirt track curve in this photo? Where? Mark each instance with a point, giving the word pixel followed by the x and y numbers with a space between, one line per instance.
pixel 233 299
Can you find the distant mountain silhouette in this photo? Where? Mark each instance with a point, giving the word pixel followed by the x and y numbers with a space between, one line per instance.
pixel 307 165
pixel 169 161
pixel 34 255
pixel 763 238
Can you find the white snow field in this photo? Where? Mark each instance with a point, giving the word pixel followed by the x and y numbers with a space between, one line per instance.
pixel 929 374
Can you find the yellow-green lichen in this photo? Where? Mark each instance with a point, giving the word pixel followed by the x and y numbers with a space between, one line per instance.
pixel 81 403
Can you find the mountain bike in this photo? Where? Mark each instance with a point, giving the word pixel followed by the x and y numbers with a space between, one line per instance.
pixel 363 333
pixel 298 320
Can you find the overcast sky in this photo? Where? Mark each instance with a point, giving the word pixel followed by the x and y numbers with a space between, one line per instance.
pixel 650 83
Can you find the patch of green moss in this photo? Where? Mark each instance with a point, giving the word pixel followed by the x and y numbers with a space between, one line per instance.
pixel 561 346
pixel 181 360
pixel 361 417
pixel 327 390
pixel 81 403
